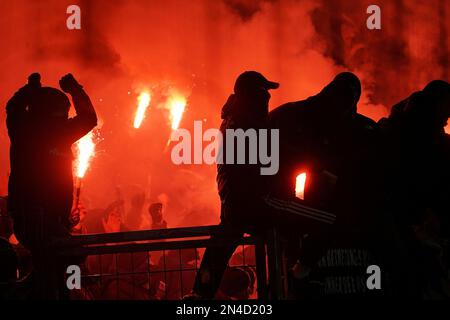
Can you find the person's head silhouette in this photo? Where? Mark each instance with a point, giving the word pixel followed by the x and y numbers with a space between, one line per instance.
pixel 344 93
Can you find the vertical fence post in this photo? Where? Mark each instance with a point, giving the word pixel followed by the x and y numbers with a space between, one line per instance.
pixel 261 270
pixel 275 262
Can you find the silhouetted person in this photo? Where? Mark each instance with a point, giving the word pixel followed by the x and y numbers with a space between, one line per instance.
pixel 325 137
pixel 238 283
pixel 155 210
pixel 179 273
pixel 134 216
pixel 417 157
pixel 8 270
pixel 9 265
pixel 6 226
pixel 244 193
pixel 79 221
pixel 112 220
pixel 41 184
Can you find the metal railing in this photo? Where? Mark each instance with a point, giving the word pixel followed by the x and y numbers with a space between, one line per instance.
pixel 119 261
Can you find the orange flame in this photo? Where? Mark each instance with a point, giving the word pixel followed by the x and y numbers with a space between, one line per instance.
pixel 177 104
pixel 300 182
pixel 143 102
pixel 86 149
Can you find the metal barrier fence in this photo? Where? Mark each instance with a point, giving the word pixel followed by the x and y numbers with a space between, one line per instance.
pixel 162 264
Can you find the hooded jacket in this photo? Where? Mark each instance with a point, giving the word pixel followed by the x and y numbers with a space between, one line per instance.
pixel 241 180
pixel 41 155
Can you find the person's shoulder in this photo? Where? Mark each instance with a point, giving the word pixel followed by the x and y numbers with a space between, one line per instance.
pixel 275 113
pixel 287 112
pixel 289 106
pixel 446 139
pixel 384 125
pixel 365 122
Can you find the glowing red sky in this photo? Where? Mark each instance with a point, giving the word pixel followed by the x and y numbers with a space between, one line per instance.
pixel 198 47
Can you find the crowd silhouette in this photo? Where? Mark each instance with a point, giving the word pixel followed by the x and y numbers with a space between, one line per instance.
pixel 375 193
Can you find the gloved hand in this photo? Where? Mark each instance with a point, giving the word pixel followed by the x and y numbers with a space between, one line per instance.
pixel 74 218
pixel 69 84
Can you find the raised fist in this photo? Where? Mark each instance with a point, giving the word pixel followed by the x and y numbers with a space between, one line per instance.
pixel 34 80
pixel 69 84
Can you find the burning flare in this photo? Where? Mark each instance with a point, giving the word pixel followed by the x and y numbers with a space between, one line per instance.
pixel 300 182
pixel 177 104
pixel 143 103
pixel 86 148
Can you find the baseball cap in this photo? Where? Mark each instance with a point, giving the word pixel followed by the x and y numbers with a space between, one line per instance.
pixel 250 80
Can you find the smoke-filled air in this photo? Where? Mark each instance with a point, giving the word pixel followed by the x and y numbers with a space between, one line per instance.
pixel 153 66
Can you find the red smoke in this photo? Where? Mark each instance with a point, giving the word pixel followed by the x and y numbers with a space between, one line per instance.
pixel 198 48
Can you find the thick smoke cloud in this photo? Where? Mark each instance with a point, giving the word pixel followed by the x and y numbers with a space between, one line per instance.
pixel 197 48
pixel 412 46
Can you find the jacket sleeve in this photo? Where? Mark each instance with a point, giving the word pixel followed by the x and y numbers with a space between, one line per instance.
pixel 85 119
pixel 17 114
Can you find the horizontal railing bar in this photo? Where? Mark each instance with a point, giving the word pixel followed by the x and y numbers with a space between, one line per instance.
pixel 142 273
pixel 138 273
pixel 143 235
pixel 154 246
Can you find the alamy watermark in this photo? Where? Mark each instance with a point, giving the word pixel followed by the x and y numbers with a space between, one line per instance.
pixel 73 277
pixel 73 22
pixel 374 20
pixel 251 146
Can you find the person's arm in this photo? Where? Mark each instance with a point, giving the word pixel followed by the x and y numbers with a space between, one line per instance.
pixel 86 117
pixel 16 107
pixel 16 112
